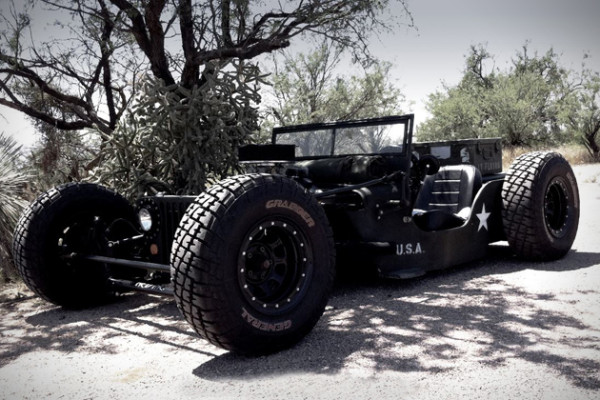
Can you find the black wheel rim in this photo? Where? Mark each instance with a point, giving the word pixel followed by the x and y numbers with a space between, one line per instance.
pixel 274 266
pixel 556 208
pixel 78 236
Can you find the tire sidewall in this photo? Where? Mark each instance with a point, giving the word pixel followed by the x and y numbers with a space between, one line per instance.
pixel 245 214
pixel 207 262
pixel 525 199
pixel 556 170
pixel 35 243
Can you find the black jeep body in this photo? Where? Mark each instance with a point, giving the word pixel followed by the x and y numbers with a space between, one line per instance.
pixel 390 200
pixel 251 261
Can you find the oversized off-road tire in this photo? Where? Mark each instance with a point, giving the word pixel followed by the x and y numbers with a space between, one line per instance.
pixel 253 263
pixel 540 206
pixel 70 219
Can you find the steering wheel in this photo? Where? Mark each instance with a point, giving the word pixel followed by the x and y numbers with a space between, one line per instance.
pixel 428 165
pixel 421 167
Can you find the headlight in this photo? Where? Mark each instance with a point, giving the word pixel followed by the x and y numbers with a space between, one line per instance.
pixel 145 218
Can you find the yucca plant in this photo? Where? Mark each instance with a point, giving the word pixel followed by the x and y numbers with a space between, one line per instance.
pixel 12 183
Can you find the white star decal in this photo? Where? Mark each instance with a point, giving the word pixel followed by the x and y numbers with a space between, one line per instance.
pixel 483 217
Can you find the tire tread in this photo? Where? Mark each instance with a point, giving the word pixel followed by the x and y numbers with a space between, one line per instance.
pixel 522 225
pixel 201 304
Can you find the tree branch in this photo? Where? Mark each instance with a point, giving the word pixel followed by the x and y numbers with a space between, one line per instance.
pixel 241 51
pixel 149 35
pixel 104 63
pixel 37 115
pixel 226 23
pixel 191 70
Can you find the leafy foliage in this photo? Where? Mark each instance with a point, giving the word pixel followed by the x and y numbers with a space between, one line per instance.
pixel 585 117
pixel 525 105
pixel 307 89
pixel 177 139
pixel 12 182
pixel 60 157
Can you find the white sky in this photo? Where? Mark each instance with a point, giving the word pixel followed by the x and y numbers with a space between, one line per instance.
pixel 435 51
pixel 447 29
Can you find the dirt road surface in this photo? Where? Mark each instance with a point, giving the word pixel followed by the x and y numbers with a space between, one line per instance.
pixel 495 329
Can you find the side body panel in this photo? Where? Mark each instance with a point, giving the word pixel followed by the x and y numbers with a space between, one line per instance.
pixel 400 249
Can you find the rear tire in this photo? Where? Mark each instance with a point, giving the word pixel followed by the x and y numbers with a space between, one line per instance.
pixel 68 219
pixel 540 210
pixel 253 263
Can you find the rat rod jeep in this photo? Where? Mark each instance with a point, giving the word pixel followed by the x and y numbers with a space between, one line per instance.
pixel 251 261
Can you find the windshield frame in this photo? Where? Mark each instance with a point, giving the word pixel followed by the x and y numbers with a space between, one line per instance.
pixel 334 127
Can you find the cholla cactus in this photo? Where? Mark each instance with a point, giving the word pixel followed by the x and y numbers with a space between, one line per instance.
pixel 179 139
pixel 12 182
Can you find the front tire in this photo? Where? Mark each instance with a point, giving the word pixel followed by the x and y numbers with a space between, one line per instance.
pixel 253 263
pixel 69 219
pixel 540 209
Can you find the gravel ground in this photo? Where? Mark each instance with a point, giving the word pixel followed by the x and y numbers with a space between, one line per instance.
pixel 494 329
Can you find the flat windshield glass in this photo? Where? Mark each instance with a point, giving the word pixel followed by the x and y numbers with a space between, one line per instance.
pixel 359 137
pixel 370 139
pixel 309 143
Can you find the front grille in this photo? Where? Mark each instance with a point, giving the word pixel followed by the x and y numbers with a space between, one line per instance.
pixel 167 212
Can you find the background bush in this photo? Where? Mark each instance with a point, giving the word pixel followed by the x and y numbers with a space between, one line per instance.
pixel 12 184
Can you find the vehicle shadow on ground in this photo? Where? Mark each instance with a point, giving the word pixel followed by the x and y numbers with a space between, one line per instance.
pixel 425 324
pixel 418 325
pixel 48 327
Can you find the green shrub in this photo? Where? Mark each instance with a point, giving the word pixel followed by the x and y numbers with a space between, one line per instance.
pixel 12 182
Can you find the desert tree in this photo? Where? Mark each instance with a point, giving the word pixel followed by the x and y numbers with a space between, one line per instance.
pixel 105 50
pixel 524 104
pixel 313 88
pixel 584 116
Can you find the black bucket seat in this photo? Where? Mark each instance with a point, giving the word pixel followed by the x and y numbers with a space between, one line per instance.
pixel 445 198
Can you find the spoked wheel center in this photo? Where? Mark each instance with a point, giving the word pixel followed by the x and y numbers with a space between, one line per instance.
pixel 556 207
pixel 273 266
